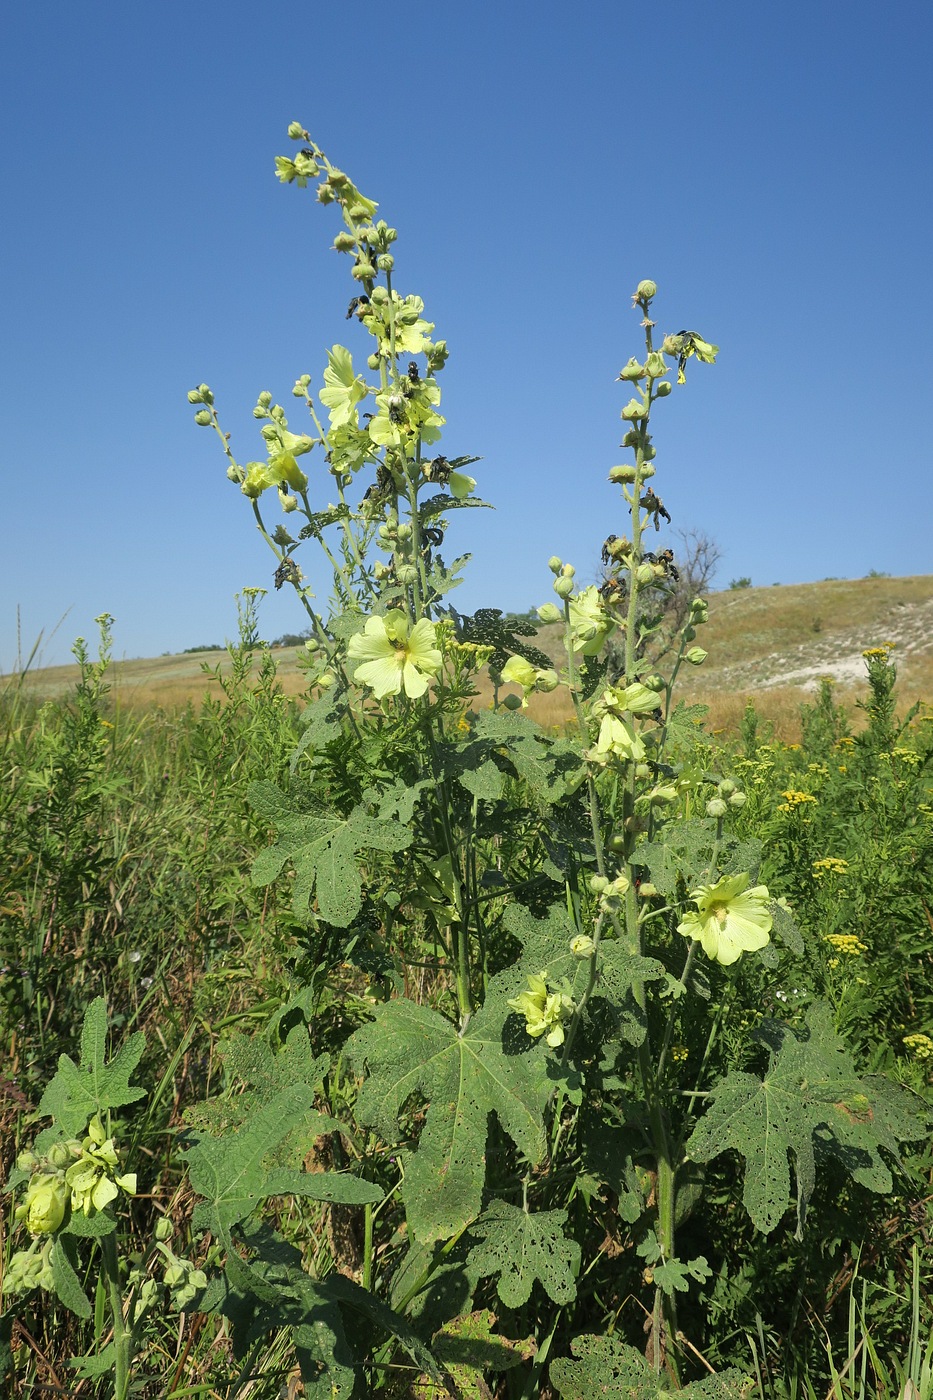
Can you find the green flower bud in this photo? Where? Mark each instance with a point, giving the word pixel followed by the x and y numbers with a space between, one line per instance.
pixel 373 361
pixel 567 570
pixel 512 702
pixel 297 132
pixel 582 946
pixel 45 1201
pixel 345 242
pixel 646 890
pixel 235 473
pixel 647 471
pixel 554 564
pixel 287 502
pixel 164 1228
pixel 655 367
pixel 738 799
pixel 259 412
pixel 623 473
pixel 646 290
pixel 644 573
pixel 203 418
pixel 672 345
pixel 699 610
pixel 632 438
pixel 404 531
pixel 642 770
pixel 663 796
pixel 27 1161
pixel 634 410
pixel 385 262
pixel 60 1155
pixel 358 211
pixel 726 787
pixel 206 395
pixel 407 573
pixel 549 612
pixel 546 681
pixel 663 389
pixel 715 807
pixel 364 272
pixel 689 632
pixel 194 396
pixel 599 884
pixel 696 656
pixel 325 194
pixel 563 586
pixel 632 371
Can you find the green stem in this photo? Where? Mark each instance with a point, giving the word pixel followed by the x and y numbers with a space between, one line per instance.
pixel 122 1335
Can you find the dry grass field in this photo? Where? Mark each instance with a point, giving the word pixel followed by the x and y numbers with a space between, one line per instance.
pixel 769 644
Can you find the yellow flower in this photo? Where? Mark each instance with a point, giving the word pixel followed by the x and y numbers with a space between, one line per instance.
pixel 543 1010
pixel 920 1045
pixel 394 659
pixel 731 919
pixel 846 943
pixel 830 865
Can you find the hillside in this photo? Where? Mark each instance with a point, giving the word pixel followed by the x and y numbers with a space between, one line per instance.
pixel 771 643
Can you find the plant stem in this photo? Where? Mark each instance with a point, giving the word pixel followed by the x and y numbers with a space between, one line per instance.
pixel 122 1335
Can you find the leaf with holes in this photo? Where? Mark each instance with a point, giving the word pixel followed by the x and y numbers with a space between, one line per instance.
pixel 604 1366
pixel 519 1247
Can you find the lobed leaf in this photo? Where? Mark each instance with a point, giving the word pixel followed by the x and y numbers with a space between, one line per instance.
pixel 605 1366
pixel 76 1093
pixel 518 1248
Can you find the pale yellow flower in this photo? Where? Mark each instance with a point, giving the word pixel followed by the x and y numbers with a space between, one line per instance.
pixel 393 658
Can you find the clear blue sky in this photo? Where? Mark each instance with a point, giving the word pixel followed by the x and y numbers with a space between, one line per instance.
pixel 769 165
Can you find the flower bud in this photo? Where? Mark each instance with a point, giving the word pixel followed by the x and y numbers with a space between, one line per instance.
pixel 726 787
pixel 646 890
pixel 663 389
pixel 546 681
pixel 623 473
pixel 642 770
pixel 259 411
pixel 563 586
pixel 407 574
pixel 59 1155
pixel 297 132
pixel 644 573
pixel 599 884
pixel 235 473
pixel 164 1228
pixel 646 290
pixel 738 799
pixel 696 656
pixel 582 946
pixel 663 796
pixel 554 564
pixel 385 262
pixel 206 395
pixel 672 345
pixel 655 367
pixel 716 807
pixel 203 418
pixel 647 471
pixel 549 612
pixel 364 272
pixel 632 371
pixel 567 570
pixel 194 396
pixel 287 502
pixel 699 610
pixel 632 438
pixel 512 702
pixel 345 242
pixel 634 410
pixel 46 1205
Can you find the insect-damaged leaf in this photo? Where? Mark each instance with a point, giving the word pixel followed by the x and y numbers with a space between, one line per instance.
pixel 322 846
pixel 605 1366
pixel 413 1053
pixel 520 1247
pixel 811 1102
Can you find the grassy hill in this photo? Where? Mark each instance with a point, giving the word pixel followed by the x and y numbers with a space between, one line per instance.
pixel 773 644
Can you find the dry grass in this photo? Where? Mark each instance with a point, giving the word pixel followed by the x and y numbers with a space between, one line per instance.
pixel 770 645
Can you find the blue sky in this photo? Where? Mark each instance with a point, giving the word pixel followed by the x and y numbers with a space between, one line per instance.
pixel 768 165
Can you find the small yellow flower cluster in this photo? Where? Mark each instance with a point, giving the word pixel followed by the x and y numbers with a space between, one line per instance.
pixel 919 1045
pixel 755 770
pixel 794 799
pixel 846 742
pixel 908 756
pixel 829 865
pixel 879 651
pixel 679 1053
pixel 847 943
pixel 818 768
pixel 793 748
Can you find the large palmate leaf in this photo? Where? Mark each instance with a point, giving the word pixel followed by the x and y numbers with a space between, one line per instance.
pixel 230 1173
pixel 519 1247
pixel 76 1093
pixel 604 1367
pixel 322 846
pixel 541 761
pixel 466 1347
pixel 414 1054
pixel 812 1103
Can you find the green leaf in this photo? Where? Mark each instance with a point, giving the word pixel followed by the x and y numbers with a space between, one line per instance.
pixel 413 1054
pixel 229 1172
pixel 682 855
pixel 467 1346
pixel 811 1102
pixel 485 782
pixel 322 846
pixel 76 1093
pixel 90 1227
pixel 94 1366
pixel 605 1366
pixel 65 1280
pixel 519 1247
pixel 540 761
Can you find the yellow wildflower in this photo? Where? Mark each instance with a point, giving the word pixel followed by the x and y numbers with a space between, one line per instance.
pixel 919 1045
pixel 830 865
pixel 846 943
